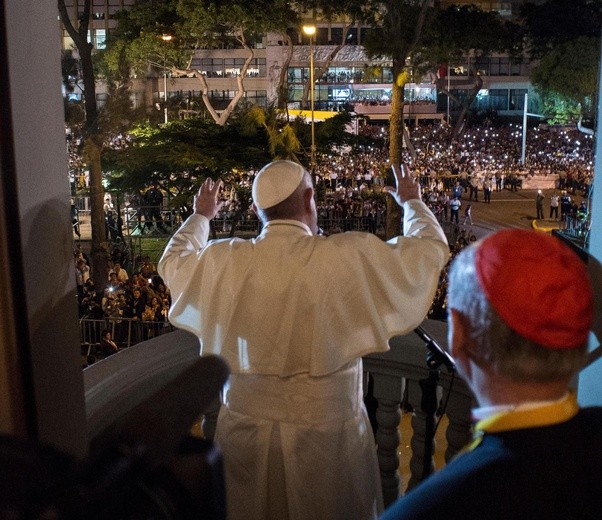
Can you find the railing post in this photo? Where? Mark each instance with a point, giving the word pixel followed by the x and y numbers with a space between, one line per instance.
pixel 418 422
pixel 458 433
pixel 388 391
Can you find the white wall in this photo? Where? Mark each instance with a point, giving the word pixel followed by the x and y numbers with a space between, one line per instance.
pixel 42 194
pixel 590 381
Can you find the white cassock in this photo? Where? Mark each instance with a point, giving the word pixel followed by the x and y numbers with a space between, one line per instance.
pixel 293 313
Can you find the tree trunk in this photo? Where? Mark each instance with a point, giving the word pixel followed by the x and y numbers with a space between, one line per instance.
pixel 100 247
pixel 92 139
pixel 222 119
pixel 393 222
pixel 461 121
pixel 282 89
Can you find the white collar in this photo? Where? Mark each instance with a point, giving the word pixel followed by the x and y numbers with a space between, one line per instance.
pixel 288 222
pixel 484 412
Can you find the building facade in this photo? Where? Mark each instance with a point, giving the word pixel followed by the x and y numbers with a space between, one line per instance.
pixel 350 82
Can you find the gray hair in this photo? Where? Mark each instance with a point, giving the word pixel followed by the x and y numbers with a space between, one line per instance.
pixel 505 351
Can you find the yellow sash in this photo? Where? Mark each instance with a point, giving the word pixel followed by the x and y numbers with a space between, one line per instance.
pixel 545 415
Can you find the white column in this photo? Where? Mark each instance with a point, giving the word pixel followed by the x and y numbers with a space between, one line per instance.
pixel 590 380
pixel 41 358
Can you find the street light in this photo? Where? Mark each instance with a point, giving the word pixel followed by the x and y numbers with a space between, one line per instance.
pixel 166 38
pixel 310 30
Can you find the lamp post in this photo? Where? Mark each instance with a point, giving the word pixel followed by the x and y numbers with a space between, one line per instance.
pixel 310 30
pixel 166 38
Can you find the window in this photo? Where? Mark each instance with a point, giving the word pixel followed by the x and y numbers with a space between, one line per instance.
pixel 259 97
pixel 321 36
pixel 336 35
pixel 520 68
pixel 500 66
pixel 100 39
pixel 257 68
pixel 498 99
pixel 517 98
pixel 210 67
pixel 352 36
pixel 482 66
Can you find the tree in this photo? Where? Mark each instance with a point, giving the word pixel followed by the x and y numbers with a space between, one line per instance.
pixel 197 25
pixel 554 22
pixel 460 31
pixel 568 52
pixel 571 70
pixel 92 141
pixel 400 25
pixel 418 38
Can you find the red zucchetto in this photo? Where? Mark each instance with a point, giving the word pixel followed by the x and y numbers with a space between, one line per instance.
pixel 538 286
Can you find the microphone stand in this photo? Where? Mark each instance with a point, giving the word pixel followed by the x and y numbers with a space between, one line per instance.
pixel 435 357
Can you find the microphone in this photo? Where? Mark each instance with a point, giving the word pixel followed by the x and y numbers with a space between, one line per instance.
pixel 440 355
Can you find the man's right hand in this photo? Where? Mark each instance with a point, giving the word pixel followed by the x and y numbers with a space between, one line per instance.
pixel 407 186
pixel 206 201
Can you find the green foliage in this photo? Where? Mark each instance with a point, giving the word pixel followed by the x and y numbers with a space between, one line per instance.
pixel 458 30
pixel 559 109
pixel 565 37
pixel 555 22
pixel 178 155
pixel 333 130
pixel 570 69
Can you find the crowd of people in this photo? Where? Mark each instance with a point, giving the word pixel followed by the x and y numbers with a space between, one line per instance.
pixel 565 155
pixel 281 350
pixel 454 174
pixel 134 306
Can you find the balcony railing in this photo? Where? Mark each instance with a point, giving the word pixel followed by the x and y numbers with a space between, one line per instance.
pixel 120 382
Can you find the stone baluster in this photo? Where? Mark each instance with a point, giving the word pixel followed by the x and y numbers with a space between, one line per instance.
pixel 388 391
pixel 458 433
pixel 419 440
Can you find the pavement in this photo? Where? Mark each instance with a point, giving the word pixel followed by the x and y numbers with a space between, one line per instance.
pixel 510 209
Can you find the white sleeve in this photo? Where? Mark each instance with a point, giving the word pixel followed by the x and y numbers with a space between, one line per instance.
pixel 183 248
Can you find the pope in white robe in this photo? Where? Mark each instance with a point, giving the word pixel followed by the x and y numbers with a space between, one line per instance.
pixel 293 313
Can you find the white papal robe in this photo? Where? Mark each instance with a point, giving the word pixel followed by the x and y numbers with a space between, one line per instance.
pixel 293 313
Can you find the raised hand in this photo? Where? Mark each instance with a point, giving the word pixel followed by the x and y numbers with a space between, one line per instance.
pixel 407 186
pixel 206 201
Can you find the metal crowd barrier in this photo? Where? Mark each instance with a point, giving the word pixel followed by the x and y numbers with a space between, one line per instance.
pixel 125 332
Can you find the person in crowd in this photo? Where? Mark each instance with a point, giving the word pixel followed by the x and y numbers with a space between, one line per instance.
pixel 554 203
pixel 114 284
pixel 474 187
pixel 565 205
pixel 536 453
pixel 487 188
pixel 292 313
pixel 467 215
pixel 457 190
pixel 443 201
pixel 75 219
pixel 82 275
pixel 120 272
pixel 107 346
pixel 153 200
pixel 539 198
pixel 454 206
pixel 90 305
